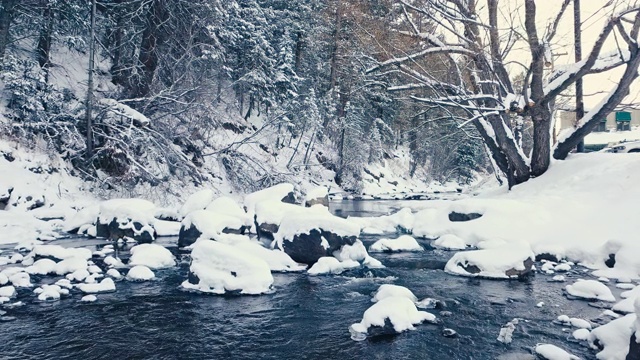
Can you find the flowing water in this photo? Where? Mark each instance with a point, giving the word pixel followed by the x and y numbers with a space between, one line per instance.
pixel 305 317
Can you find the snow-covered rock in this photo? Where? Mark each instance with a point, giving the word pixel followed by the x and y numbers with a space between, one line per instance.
pixel 281 192
pixel 20 279
pixel 269 215
pixel 612 339
pixel 151 255
pixel 317 195
pixel 106 285
pixel 313 233
pixel 89 298
pixel 590 290
pixel 391 314
pixel 227 206
pixel 504 262
pixel 218 268
pixel 8 291
pixel 581 334
pixel 78 275
pixel 357 252
pixel 114 274
pixel 126 219
pixel 70 265
pixel 450 242
pixel 50 292
pixel 552 352
pixel 331 265
pixel 401 221
pixel 140 273
pixel 58 252
pixel 391 290
pixel 208 225
pixel 277 260
pixel 42 267
pixel 402 243
pixel 197 201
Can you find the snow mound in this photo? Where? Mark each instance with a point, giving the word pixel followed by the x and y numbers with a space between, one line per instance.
pixel 218 268
pixel 228 206
pixel 581 334
pixel 89 298
pixel 357 252
pixel 613 338
pixel 391 290
pixel 401 313
pixel 50 292
pixel 114 273
pixel 140 273
pixel 314 218
pixel 210 224
pixel 450 242
pixel 42 267
pixel 590 290
pixel 276 192
pixel 106 285
pixel 196 201
pixel 331 265
pixel 151 255
pixel 7 291
pixel 59 252
pixel 402 243
pixel 552 352
pixel 277 260
pixel 400 221
pixel 503 262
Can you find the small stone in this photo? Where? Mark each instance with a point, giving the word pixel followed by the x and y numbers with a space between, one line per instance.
pixel 449 333
pixel 445 313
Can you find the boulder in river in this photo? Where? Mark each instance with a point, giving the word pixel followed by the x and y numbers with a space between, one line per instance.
pixel 312 233
pixel 207 224
pixel 511 261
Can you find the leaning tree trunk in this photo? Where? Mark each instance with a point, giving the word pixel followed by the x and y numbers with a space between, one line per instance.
pixel 6 16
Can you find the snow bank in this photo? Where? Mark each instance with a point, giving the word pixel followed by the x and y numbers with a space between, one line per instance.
pixel 151 255
pixel 613 338
pixel 273 211
pixel 552 352
pixel 59 252
pixel 403 243
pixel 210 224
pixel 218 268
pixel 590 290
pixel 401 313
pixel 140 273
pixel 503 262
pixel 629 297
pixel 543 212
pixel 228 206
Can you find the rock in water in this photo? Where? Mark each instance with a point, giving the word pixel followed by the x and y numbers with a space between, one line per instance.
pixel 312 233
pixel 449 333
pixel 458 217
pixel 506 332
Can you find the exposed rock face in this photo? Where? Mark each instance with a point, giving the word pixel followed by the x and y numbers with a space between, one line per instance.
pixel 266 230
pixel 458 217
pixel 5 195
pixel 289 199
pixel 308 248
pixel 321 200
pixel 634 349
pixel 611 261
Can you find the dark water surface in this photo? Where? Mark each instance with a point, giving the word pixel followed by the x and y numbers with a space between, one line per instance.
pixel 305 318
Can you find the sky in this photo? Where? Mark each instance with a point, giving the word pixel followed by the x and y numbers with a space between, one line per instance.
pixel 594 15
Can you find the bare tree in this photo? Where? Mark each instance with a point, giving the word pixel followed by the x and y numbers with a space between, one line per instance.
pixel 476 46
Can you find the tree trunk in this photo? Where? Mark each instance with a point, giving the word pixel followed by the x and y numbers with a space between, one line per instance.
pixel 118 76
pixel 541 156
pixel 336 46
pixel 152 37
pixel 6 17
pixel 43 50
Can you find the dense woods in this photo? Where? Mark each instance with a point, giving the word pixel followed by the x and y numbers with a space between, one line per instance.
pixel 356 78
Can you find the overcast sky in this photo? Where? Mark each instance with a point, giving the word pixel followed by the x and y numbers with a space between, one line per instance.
pixel 594 15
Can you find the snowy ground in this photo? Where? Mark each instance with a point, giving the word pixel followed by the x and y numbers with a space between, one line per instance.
pixel 604 138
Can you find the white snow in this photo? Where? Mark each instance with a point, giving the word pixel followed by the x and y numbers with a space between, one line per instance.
pixel 8 291
pixel 277 260
pixel 221 268
pixel 114 273
pixel 166 228
pixel 140 272
pixel 391 290
pixel 331 265
pixel 50 292
pixel 492 262
pixel 276 192
pixel 151 255
pixel 113 262
pixel 89 298
pixel 614 337
pixel 273 211
pixel 70 265
pixel 403 219
pixel 590 290
pixel 357 252
pixel 106 285
pixel 20 279
pixel 59 252
pixel 316 193
pixel 315 217
pixel 228 206
pixel 400 311
pixel 78 275
pixel 552 352
pixel 581 334
pixel 211 224
pixel 402 243
pixel 450 242
pixel 42 267
pixel 197 201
